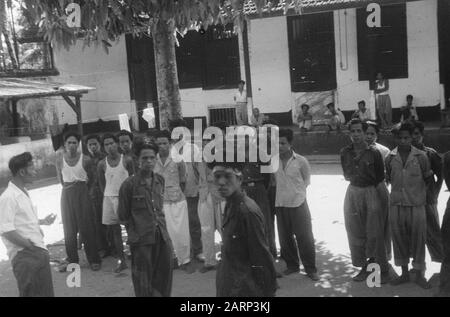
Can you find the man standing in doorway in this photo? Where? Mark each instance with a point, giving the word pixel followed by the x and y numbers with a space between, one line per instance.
pixel 74 171
pixel 21 233
pixel 293 215
pixel 241 104
pixel 112 172
pixel 141 209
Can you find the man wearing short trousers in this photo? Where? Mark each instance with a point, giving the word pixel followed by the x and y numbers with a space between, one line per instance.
pixel 112 172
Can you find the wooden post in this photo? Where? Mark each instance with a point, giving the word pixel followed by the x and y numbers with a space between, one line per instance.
pixel 76 106
pixel 79 115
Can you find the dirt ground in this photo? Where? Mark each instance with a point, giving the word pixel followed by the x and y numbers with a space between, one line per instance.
pixel 325 196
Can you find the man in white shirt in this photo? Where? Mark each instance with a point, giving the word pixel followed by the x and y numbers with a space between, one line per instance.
pixel 21 233
pixel 293 216
pixel 408 110
pixel 241 104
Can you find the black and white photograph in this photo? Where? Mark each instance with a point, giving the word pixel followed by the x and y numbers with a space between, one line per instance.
pixel 230 149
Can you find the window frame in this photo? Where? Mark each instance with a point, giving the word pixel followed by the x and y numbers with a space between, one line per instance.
pixel 208 40
pixel 385 43
pixel 196 44
pixel 203 49
pixel 42 72
pixel 294 56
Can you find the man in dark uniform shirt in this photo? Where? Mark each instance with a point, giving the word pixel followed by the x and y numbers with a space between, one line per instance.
pixel 141 210
pixel 255 184
pixel 444 287
pixel 127 143
pixel 93 144
pixel 434 239
pixel 247 267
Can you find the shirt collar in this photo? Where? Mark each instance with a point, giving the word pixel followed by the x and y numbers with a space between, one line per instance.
pixel 236 196
pixel 17 190
pixel 168 160
pixel 142 181
pixel 414 151
pixel 351 148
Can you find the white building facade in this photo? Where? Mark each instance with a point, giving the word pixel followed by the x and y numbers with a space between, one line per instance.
pixel 272 55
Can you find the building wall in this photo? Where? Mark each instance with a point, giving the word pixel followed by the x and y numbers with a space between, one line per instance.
pixel 423 60
pixel 108 73
pixel 270 62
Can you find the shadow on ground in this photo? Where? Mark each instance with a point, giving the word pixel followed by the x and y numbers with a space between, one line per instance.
pixel 335 272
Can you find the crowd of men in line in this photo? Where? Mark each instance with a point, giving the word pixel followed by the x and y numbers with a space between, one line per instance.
pixel 407 217
pixel 171 211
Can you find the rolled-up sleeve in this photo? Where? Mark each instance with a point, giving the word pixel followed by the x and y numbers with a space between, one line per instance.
pixel 425 166
pixel 7 215
pixel 305 170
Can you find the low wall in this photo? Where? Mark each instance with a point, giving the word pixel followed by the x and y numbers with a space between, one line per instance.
pixel 323 143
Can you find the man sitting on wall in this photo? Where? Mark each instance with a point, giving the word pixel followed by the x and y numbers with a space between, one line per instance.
pixel 409 111
pixel 304 119
pixel 362 113
pixel 336 117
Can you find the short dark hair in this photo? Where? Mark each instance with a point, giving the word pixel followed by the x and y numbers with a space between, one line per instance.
pixel 93 137
pixel 126 133
pixel 362 102
pixel 164 134
pixel 373 125
pixel 19 162
pixel 227 162
pixel 409 97
pixel 146 146
pixel 110 136
pixel 286 133
pixel 151 132
pixel 419 125
pixel 358 121
pixel 305 105
pixel 331 104
pixel 405 126
pixel 242 82
pixel 71 134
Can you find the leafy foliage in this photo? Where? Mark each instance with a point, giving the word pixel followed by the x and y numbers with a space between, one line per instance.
pixel 103 21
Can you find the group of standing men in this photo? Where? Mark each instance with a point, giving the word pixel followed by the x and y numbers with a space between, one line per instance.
pixel 171 211
pixel 407 217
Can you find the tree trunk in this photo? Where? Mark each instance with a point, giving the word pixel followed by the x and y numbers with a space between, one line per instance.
pixel 4 31
pixel 166 73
